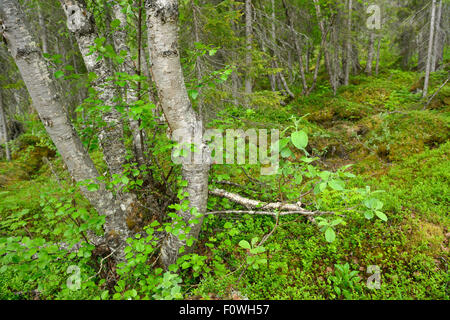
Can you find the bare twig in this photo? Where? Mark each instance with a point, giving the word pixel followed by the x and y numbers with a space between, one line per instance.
pixel 434 94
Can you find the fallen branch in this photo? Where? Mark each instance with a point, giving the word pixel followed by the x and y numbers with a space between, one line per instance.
pixel 253 204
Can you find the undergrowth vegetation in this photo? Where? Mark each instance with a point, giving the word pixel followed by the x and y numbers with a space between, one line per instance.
pixel 376 123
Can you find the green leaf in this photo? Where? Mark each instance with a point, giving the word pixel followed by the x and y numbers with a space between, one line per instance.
pixel 93 187
pixel 115 23
pixel 59 74
pixel 193 94
pixel 330 235
pixel 286 153
pixel 337 185
pixel 320 187
pixel 299 139
pixel 228 225
pixel 368 214
pixel 381 215
pixel 244 244
pixel 155 223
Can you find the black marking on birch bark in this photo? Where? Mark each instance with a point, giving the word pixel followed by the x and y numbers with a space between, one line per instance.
pixel 166 13
pixel 169 53
pixel 25 51
pixel 79 20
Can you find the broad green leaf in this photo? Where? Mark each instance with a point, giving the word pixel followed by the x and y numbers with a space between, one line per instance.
pixel 330 235
pixel 93 187
pixel 381 215
pixel 368 214
pixel 299 139
pixel 59 74
pixel 286 153
pixel 244 244
pixel 337 185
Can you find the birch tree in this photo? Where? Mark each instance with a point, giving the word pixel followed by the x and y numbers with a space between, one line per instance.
pixel 348 47
pixel 248 41
pixel 430 49
pixel 42 88
pixel 128 67
pixel 80 22
pixel 162 18
pixel 370 53
pixel 4 129
pixel 297 45
pixel 437 38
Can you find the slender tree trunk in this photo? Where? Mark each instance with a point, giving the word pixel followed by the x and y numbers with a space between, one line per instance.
pixel 162 17
pixel 198 61
pixel 248 41
pixel 377 65
pixel 298 48
pixel 283 81
pixel 370 53
pixel 430 49
pixel 4 129
pixel 128 66
pixel 42 89
pixel 273 80
pixel 234 75
pixel 317 66
pixel 434 56
pixel 43 29
pixel 348 48
pixel 334 60
pixel 80 23
pixel 325 49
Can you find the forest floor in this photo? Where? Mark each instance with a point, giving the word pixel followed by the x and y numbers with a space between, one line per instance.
pixel 377 124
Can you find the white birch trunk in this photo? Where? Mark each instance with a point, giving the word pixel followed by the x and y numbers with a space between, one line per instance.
pixel 80 22
pixel 348 44
pixel 298 48
pixel 430 50
pixel 162 18
pixel 377 65
pixel 326 54
pixel 128 66
pixel 42 88
pixel 4 129
pixel 370 53
pixel 248 41
pixel 435 53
